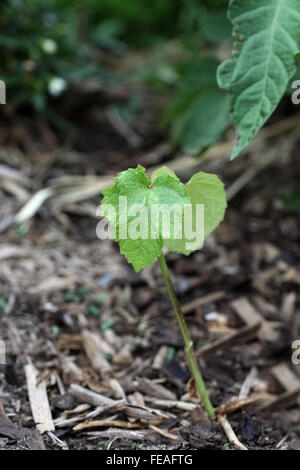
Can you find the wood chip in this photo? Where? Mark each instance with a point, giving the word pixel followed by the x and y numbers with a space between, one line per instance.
pixel 143 413
pixel 203 300
pixel 38 399
pixel 147 414
pixel 100 410
pixel 235 403
pixel 12 251
pixel 71 371
pixel 290 382
pixel 248 383
pixel 160 358
pixel 288 307
pixel 15 189
pixel 244 334
pixel 117 389
pixel 286 377
pixel 87 396
pixel 58 441
pixel 106 423
pixel 120 433
pixel 246 311
pixel 12 173
pixel 149 387
pixel 94 346
pixel 122 359
pixel 53 283
pixel 283 401
pixel 163 433
pixel 170 404
pixel 136 398
pixel 73 342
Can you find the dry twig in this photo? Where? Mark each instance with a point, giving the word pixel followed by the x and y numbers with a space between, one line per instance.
pixel 231 434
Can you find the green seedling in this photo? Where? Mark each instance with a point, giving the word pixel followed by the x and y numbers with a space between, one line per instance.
pixel 94 310
pixel 107 325
pixel 77 296
pixel 146 215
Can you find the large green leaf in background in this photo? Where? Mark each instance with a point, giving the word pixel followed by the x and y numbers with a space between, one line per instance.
pixel 206 120
pixel 199 113
pixel 215 26
pixel 263 62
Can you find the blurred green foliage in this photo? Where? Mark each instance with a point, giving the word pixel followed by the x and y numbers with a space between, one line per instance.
pixel 199 110
pixel 42 49
pixel 292 200
pixel 46 45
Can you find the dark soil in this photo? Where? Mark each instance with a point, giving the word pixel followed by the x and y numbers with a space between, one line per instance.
pixel 57 280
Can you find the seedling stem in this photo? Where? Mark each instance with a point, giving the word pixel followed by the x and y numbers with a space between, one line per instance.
pixel 189 349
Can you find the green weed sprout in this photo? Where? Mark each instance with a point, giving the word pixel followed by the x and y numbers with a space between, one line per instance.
pixel 147 214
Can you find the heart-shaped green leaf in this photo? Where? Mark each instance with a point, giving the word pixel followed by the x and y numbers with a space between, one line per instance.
pixel 133 207
pixel 207 190
pixel 147 214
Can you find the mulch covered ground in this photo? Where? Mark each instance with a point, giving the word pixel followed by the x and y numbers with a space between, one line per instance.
pixel 101 342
